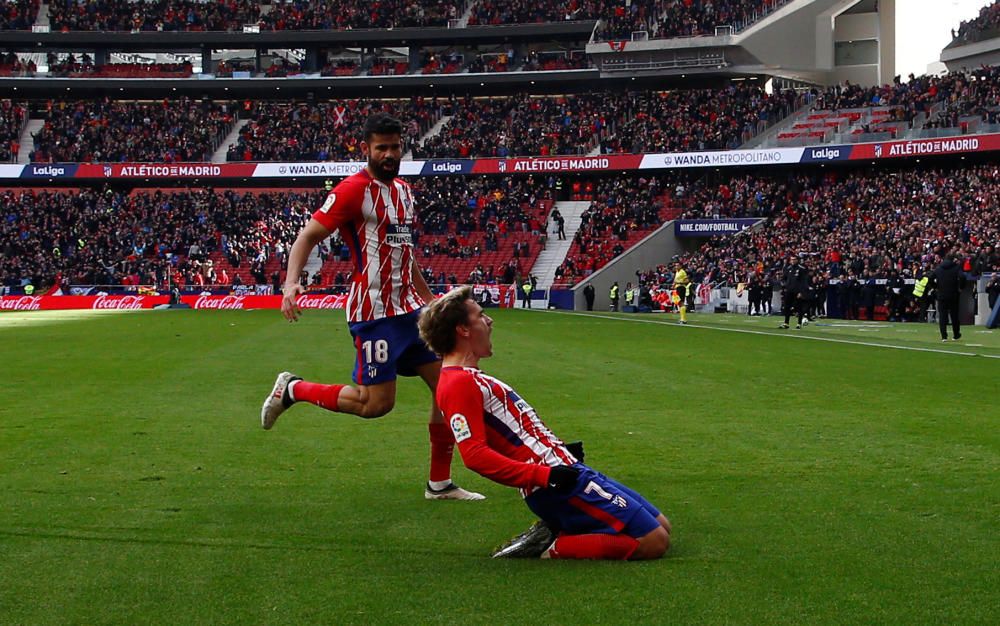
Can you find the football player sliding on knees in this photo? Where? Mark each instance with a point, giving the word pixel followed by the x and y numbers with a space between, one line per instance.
pixel 584 514
pixel 373 210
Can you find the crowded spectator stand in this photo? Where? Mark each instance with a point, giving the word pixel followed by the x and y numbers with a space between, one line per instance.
pixel 12 119
pixel 152 15
pixel 855 232
pixel 326 131
pixel 229 237
pixel 18 14
pixel 986 25
pixel 166 131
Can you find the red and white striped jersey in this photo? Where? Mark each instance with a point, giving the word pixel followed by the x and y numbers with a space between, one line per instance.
pixel 376 221
pixel 498 434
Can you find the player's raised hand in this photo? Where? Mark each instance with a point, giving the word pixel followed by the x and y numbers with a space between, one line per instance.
pixel 288 306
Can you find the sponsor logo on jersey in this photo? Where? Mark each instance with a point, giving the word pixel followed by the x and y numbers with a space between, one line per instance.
pixel 460 427
pixel 519 403
pixel 398 235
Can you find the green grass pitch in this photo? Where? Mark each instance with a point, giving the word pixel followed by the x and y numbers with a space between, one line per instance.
pixel 809 481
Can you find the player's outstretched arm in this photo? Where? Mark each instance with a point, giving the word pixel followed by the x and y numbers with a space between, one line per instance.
pixel 308 238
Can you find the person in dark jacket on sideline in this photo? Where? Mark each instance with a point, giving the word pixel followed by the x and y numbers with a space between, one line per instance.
pixel 949 281
pixel 795 289
pixel 993 290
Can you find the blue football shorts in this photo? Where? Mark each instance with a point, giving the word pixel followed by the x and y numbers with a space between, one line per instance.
pixel 597 504
pixel 388 347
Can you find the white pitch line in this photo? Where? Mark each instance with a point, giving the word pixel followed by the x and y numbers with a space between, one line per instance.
pixel 772 334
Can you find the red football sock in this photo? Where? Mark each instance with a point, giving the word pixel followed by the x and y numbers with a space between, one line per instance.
pixel 596 546
pixel 442 449
pixel 324 396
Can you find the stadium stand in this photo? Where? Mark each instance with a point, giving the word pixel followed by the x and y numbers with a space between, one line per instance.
pixel 486 229
pixel 95 237
pixel 12 116
pixel 631 122
pixel 479 229
pixel 18 14
pixel 12 65
pixel 657 18
pixel 325 131
pixel 521 125
pixel 85 68
pixel 858 224
pixel 622 212
pixel 660 19
pixel 342 15
pixel 386 66
pixel 152 15
pixel 691 18
pixel 984 26
pixel 281 68
pixel 341 67
pixel 115 130
pixel 446 62
pixel 554 60
pixel 518 125
pixel 962 101
pixel 227 69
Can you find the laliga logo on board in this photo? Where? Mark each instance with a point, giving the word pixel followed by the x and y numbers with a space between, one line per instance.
pixel 118 303
pixel 447 166
pixel 826 153
pixel 219 303
pixel 320 302
pixel 24 303
pixel 48 170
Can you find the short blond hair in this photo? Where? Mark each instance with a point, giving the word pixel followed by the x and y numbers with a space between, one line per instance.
pixel 440 318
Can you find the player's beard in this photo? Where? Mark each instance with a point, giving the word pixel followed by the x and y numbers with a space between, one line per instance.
pixel 385 170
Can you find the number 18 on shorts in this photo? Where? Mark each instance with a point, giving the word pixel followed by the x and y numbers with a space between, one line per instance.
pixel 388 347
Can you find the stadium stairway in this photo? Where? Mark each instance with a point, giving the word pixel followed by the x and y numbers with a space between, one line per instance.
pixel 434 130
pixel 27 140
pixel 554 253
pixel 464 20
pixel 769 138
pixel 43 15
pixel 223 150
pixel 314 263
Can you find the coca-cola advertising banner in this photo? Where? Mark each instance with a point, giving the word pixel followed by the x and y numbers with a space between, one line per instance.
pixel 131 303
pixel 488 295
